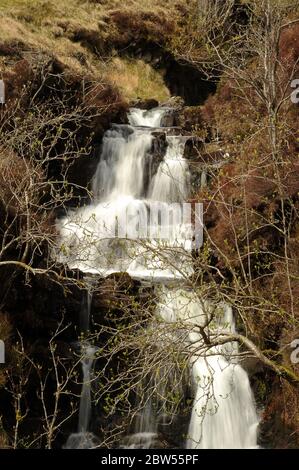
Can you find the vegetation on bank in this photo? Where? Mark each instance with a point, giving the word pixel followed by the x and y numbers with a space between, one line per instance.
pixel 85 37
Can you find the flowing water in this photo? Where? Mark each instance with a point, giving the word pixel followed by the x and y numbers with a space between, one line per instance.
pixel 171 183
pixel 223 413
pixel 83 439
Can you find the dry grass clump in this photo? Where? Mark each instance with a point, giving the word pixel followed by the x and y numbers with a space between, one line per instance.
pixel 82 36
pixel 136 79
pixel 153 25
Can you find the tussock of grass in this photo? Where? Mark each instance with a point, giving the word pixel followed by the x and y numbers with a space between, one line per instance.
pixel 136 79
pixel 49 27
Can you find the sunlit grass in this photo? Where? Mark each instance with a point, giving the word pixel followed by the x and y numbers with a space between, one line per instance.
pixel 136 79
pixel 48 26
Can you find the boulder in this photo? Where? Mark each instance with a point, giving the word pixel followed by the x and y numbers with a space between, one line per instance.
pixel 155 157
pixel 113 292
pixel 146 104
pixel 193 147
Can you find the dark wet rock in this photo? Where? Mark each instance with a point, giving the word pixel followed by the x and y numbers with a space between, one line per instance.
pixel 114 292
pixel 154 157
pixel 194 145
pixel 125 129
pixel 159 145
pixel 175 432
pixel 203 164
pixel 170 118
pixel 123 281
pixel 146 104
pixel 169 131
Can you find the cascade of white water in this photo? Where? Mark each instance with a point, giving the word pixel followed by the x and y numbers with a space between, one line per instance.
pixel 83 439
pixel 87 359
pixel 145 431
pixel 223 414
pixel 141 117
pixel 90 239
pixel 120 171
pixel 171 183
pixel 88 356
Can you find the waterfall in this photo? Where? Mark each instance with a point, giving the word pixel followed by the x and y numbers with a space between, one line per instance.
pixel 145 431
pixel 152 118
pixel 223 413
pixel 90 238
pixel 121 168
pixel 171 183
pixel 84 439
pixel 88 354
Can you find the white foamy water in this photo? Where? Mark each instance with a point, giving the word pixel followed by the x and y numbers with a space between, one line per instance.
pixel 223 412
pixel 84 439
pixel 90 238
pixel 141 117
pixel 120 171
pixel 171 183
